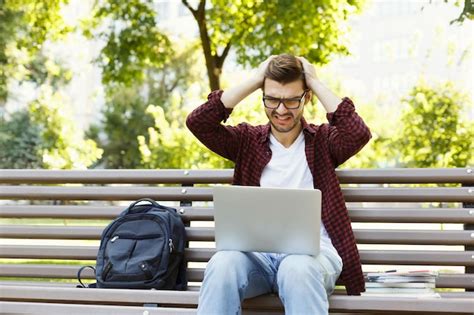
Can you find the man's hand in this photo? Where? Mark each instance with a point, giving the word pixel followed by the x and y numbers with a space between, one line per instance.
pixel 260 72
pixel 232 96
pixel 329 100
pixel 309 73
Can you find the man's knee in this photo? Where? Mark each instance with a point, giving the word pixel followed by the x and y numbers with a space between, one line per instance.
pixel 298 270
pixel 226 263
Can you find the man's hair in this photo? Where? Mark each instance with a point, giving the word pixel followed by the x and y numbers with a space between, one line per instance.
pixel 285 68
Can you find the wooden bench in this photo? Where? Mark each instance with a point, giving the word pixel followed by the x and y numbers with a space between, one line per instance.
pixel 51 222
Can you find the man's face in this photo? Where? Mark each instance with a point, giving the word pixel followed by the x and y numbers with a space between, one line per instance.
pixel 281 118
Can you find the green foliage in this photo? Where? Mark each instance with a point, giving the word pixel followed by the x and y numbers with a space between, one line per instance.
pixel 255 29
pixel 20 142
pixel 184 69
pixel 43 136
pixel 134 43
pixel 124 119
pixel 24 26
pixel 467 11
pixel 376 153
pixel 63 145
pixel 432 132
pixel 258 29
pixel 171 144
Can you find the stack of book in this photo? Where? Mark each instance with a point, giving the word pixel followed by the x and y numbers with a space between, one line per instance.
pixel 419 283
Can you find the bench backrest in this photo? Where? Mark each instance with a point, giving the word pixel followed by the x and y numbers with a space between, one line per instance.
pixel 51 221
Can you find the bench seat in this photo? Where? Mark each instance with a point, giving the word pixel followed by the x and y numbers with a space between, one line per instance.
pixel 51 222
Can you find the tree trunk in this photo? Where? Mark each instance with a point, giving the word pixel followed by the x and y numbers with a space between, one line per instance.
pixel 213 72
pixel 214 62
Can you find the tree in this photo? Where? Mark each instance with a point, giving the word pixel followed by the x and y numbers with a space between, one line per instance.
pixel 467 11
pixel 54 140
pixel 432 132
pixel 134 44
pixel 377 153
pixel 20 142
pixel 164 146
pixel 125 117
pixel 258 29
pixel 24 26
pixel 63 144
pixel 254 29
pixel 42 136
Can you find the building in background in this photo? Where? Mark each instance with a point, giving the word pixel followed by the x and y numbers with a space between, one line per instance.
pixel 396 43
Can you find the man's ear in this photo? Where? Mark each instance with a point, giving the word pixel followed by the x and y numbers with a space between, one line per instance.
pixel 308 96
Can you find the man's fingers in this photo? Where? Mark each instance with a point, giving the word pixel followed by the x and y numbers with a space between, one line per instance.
pixel 303 61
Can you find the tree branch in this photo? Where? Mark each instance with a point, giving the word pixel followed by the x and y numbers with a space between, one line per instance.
pixel 202 6
pixel 225 52
pixel 193 11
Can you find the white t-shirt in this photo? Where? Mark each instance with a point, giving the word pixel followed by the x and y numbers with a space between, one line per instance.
pixel 289 168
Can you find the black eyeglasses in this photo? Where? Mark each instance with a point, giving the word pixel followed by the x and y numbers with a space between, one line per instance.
pixel 289 103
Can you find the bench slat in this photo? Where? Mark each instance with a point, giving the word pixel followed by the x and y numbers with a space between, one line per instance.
pixel 387 257
pixel 79 309
pixel 105 193
pixel 445 280
pixel 194 288
pixel 357 214
pixel 363 236
pixel 337 302
pixel 412 215
pixel 461 194
pixel 406 175
pixel 83 232
pixel 92 212
pixel 130 176
pixel 393 175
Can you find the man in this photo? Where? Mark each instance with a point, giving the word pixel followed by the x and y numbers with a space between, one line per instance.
pixel 286 152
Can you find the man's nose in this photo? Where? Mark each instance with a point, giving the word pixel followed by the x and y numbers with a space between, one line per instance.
pixel 281 109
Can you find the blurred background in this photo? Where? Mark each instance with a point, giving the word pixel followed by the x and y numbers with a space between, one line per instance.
pixel 109 83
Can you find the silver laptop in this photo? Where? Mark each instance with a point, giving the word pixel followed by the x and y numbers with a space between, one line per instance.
pixel 276 220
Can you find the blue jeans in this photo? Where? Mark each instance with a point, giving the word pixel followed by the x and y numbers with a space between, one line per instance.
pixel 302 282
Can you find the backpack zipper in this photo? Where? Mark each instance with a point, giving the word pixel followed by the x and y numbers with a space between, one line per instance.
pixel 135 237
pixel 171 245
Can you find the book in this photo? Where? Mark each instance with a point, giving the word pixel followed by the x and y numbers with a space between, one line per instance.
pixel 400 285
pixel 403 295
pixel 400 290
pixel 392 276
pixel 413 284
pixel 413 273
pixel 391 279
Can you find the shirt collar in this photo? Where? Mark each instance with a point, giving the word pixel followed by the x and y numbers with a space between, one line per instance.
pixel 265 134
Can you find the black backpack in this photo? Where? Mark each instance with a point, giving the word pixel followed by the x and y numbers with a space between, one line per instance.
pixel 142 249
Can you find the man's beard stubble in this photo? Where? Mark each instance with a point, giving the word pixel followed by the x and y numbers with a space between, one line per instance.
pixel 296 121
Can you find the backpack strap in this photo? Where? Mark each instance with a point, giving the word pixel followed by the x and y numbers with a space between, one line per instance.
pixel 82 285
pixel 182 279
pixel 153 202
pixel 135 207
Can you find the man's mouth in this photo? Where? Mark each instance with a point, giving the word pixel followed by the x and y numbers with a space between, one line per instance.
pixel 282 119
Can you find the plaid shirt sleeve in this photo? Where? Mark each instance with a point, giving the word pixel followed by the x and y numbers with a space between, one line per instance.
pixel 347 132
pixel 205 123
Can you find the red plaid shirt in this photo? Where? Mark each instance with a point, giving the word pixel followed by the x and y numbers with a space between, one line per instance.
pixel 326 147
